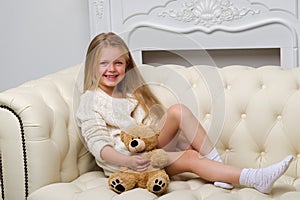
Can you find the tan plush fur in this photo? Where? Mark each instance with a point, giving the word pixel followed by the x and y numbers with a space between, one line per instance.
pixel 142 139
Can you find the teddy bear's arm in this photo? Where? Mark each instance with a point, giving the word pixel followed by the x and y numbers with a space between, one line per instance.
pixel 159 158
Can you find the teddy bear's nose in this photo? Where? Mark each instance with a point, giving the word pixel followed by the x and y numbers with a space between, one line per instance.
pixel 134 143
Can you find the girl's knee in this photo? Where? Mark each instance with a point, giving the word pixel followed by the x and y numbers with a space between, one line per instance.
pixel 177 107
pixel 191 154
pixel 182 162
pixel 188 160
pixel 174 108
pixel 177 110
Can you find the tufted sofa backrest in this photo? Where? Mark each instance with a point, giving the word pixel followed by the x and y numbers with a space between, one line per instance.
pixel 252 115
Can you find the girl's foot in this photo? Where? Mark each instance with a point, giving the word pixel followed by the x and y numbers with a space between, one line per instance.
pixel 263 179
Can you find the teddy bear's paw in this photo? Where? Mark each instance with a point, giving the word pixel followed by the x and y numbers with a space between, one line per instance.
pixel 117 186
pixel 158 185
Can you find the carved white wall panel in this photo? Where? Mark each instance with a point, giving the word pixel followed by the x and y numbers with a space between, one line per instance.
pixel 201 24
pixel 207 13
pixel 288 6
pixel 100 17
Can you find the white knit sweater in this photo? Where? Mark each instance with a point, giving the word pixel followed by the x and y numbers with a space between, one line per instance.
pixel 101 118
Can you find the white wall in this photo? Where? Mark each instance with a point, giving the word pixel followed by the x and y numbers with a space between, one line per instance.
pixel 38 37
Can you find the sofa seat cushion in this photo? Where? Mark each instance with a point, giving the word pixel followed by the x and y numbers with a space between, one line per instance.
pixel 185 186
pixel 87 186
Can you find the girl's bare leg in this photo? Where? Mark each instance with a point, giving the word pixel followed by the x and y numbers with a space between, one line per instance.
pixel 260 179
pixel 180 118
pixel 188 161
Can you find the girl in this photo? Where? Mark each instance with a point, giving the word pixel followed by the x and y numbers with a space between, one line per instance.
pixel 116 96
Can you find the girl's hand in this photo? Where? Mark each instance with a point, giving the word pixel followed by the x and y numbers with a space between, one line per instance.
pixel 137 163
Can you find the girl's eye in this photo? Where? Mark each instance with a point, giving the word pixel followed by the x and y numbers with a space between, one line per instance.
pixel 103 63
pixel 119 63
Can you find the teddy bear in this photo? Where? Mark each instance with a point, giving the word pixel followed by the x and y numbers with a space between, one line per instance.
pixel 142 139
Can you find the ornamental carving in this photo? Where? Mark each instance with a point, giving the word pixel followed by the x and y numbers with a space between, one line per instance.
pixel 99 8
pixel 208 12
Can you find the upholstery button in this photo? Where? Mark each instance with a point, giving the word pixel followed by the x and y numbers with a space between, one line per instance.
pixel 298 156
pixel 262 153
pixel 194 85
pixel 207 115
pixel 279 117
pixel 161 84
pixel 263 86
pixel 228 87
pixel 243 116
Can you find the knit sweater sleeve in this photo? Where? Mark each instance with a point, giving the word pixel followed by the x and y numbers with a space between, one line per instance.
pixel 93 127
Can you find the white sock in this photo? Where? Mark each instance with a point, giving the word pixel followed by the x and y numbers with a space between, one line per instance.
pixel 263 179
pixel 214 155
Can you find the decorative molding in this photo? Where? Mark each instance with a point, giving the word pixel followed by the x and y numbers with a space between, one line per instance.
pixel 206 16
pixel 148 12
pixel 208 12
pixel 295 62
pixel 99 8
pixel 270 8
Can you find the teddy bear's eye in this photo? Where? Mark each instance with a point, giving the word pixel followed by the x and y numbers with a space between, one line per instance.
pixel 139 137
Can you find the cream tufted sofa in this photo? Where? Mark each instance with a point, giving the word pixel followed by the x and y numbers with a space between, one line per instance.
pixel 252 115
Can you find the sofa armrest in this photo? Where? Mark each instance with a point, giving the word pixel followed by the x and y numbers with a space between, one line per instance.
pixel 13 155
pixel 39 136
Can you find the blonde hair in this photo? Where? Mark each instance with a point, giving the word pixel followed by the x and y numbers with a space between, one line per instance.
pixel 133 81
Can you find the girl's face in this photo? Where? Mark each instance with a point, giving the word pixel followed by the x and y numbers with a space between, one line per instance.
pixel 112 65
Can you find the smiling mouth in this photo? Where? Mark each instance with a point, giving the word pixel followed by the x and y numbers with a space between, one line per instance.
pixel 111 76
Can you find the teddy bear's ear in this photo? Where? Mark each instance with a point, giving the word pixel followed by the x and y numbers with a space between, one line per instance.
pixel 122 135
pixel 155 130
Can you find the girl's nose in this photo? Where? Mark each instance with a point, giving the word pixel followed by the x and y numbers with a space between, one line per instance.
pixel 111 67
